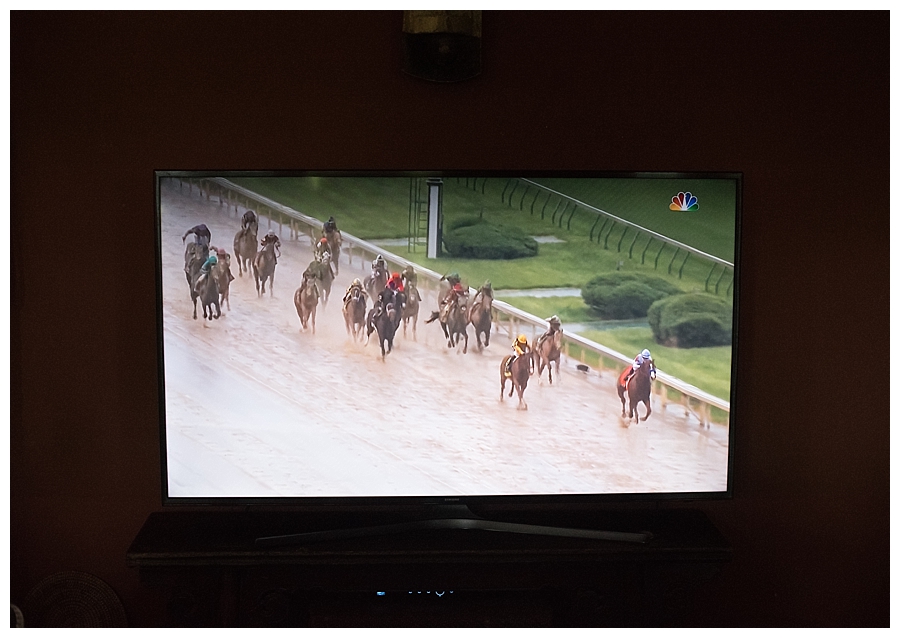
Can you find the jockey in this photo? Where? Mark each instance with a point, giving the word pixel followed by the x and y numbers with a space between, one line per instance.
pixel 555 326
pixel 643 355
pixel 271 239
pixel 457 293
pixel 408 277
pixel 356 284
pixel 248 218
pixel 204 270
pixel 378 264
pixel 454 280
pixel 330 226
pixel 520 346
pixel 395 283
pixel 385 297
pixel 223 257
pixel 201 234
pixel 321 248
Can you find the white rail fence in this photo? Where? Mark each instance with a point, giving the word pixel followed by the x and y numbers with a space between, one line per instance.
pixel 668 390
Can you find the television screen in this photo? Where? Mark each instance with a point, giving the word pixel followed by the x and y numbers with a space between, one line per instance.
pixel 437 335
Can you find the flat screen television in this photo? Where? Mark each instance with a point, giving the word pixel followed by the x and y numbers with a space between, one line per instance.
pixel 271 396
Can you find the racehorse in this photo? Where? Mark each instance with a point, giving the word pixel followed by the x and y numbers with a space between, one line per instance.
pixel 454 326
pixel 264 268
pixel 520 370
pixel 375 282
pixel 411 308
pixel 208 293
pixel 385 323
pixel 480 314
pixel 548 351
pixel 335 239
pixel 638 390
pixel 306 298
pixel 194 256
pixel 245 246
pixel 355 313
pixel 326 276
pixel 221 272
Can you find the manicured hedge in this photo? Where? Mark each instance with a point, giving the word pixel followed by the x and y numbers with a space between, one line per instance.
pixel 625 295
pixel 475 238
pixel 691 321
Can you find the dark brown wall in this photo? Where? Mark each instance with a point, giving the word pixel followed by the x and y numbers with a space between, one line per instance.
pixel 797 102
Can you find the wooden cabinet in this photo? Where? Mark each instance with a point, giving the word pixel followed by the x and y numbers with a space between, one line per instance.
pixel 211 572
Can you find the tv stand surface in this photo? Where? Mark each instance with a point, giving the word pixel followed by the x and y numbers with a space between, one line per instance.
pixel 210 568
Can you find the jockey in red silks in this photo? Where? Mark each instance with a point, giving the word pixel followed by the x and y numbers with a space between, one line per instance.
pixel 644 355
pixel 395 283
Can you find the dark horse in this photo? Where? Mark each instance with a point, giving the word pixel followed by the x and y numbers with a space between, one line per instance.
pixel 264 268
pixel 245 246
pixel 375 282
pixel 194 256
pixel 548 351
pixel 208 293
pixel 455 325
pixel 520 370
pixel 480 314
pixel 385 323
pixel 306 298
pixel 638 389
pixel 355 313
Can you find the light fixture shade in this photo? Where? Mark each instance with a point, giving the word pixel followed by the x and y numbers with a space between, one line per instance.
pixel 442 46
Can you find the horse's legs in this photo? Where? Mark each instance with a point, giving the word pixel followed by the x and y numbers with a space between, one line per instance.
pixel 649 410
pixel 522 405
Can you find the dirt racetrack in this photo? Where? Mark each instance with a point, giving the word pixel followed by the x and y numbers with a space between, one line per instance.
pixel 255 407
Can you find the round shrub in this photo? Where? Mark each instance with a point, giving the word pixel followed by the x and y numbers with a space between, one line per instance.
pixel 475 238
pixel 691 321
pixel 625 295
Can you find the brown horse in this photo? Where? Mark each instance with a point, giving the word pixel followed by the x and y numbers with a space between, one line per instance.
pixel 520 370
pixel 264 269
pixel 245 247
pixel 306 298
pixel 637 389
pixel 454 323
pixel 548 351
pixel 481 314
pixel 222 272
pixel 411 308
pixel 355 313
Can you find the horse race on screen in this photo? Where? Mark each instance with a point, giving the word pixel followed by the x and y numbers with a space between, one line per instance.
pixel 358 335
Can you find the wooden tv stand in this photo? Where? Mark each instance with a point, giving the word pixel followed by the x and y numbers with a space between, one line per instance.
pixel 211 573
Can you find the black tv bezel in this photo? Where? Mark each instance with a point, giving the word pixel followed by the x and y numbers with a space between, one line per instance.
pixel 475 502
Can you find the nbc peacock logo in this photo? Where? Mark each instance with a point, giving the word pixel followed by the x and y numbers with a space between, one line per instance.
pixel 684 201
